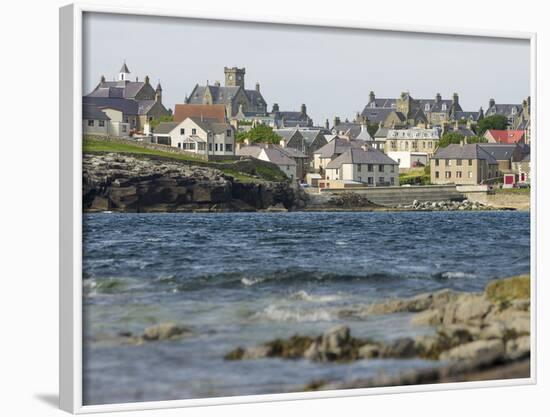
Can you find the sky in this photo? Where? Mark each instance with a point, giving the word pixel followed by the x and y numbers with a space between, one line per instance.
pixel 331 70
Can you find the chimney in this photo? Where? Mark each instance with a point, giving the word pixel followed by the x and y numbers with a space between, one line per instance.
pixel 455 99
pixel 303 109
pixel 372 97
pixel 336 121
pixel 491 102
pixel 327 125
pixel 146 79
pixel 103 78
pixel 438 98
pixel 258 87
pixel 275 108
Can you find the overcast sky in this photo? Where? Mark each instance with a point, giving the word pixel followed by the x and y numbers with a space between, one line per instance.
pixel 331 70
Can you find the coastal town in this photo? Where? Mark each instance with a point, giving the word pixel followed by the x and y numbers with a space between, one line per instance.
pixel 393 142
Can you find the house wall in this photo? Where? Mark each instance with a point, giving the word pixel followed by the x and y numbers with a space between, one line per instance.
pixel 361 173
pixel 96 129
pixel 216 144
pixel 464 174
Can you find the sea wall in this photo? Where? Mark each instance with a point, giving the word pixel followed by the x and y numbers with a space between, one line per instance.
pixel 518 201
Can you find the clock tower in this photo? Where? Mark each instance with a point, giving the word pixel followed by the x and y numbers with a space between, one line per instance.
pixel 234 77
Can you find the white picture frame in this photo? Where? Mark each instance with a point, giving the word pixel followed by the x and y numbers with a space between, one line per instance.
pixel 70 152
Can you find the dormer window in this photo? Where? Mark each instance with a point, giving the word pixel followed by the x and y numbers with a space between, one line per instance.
pixel 513 110
pixel 444 107
pixel 427 107
pixel 373 105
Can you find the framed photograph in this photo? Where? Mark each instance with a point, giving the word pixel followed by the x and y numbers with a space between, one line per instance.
pixel 273 210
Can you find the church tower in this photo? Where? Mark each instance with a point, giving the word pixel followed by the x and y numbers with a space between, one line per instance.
pixel 124 73
pixel 234 77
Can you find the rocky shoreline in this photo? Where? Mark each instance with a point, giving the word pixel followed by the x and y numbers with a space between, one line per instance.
pixel 475 334
pixel 126 183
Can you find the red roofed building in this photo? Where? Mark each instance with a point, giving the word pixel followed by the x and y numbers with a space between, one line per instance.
pixel 505 136
pixel 205 112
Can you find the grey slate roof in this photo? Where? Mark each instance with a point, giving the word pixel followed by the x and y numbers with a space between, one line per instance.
pixel 376 115
pixel 360 156
pixel 468 151
pixel 208 125
pixel 465 115
pixel 92 112
pixel 349 129
pixel 275 155
pixel 285 134
pixel 500 151
pixel 126 106
pixel 117 89
pixel 336 146
pixel 291 152
pixel 382 132
pixel 311 134
pixel 504 109
pixel 165 127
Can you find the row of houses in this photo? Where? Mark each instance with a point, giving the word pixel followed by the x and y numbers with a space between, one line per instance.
pixel 408 130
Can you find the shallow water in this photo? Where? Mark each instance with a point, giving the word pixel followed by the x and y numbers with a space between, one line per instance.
pixel 241 279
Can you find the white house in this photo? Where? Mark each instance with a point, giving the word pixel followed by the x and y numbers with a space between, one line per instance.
pixel 103 121
pixel 271 154
pixel 197 136
pixel 407 159
pixel 369 166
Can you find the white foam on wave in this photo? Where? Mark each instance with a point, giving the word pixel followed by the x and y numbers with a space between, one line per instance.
pixel 457 275
pixel 284 314
pixel 305 296
pixel 250 281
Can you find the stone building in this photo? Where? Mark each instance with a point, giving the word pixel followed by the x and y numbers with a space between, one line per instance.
pixel 406 111
pixel 412 140
pixel 138 101
pixel 462 164
pixel 233 95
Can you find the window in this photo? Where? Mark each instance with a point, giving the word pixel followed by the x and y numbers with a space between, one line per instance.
pixel 369 180
pixel 429 144
pixel 469 162
pixel 459 174
pixel 228 133
pixel 201 146
pixel 192 146
pixel 427 107
pixel 358 167
pixel 210 147
pixel 470 174
pixel 380 168
pixel 392 168
pixel 102 123
pixel 90 122
pixel 336 171
pixel 229 147
pixel 447 162
pixel 150 118
pixel 182 131
pixel 124 128
pixel 369 167
pixel 437 174
pixel 459 162
pixel 447 174
pixel 392 181
pixel 193 131
pixel 381 180
pixel 216 147
pixel 437 162
pixel 444 107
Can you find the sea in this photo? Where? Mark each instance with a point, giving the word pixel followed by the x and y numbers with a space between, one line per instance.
pixel 242 279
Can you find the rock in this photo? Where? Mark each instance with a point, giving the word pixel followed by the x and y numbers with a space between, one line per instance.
pixel 165 331
pixel 369 351
pixel 518 348
pixel 400 348
pixel 494 330
pixel 277 207
pixel 99 204
pixel 510 289
pixel 335 344
pixel 466 308
pixel 457 334
pixel 428 317
pixel 479 351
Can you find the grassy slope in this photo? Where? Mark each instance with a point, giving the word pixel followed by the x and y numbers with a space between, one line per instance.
pixel 265 173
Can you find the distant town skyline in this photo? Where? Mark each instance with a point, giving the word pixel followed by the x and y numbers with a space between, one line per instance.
pixel 331 70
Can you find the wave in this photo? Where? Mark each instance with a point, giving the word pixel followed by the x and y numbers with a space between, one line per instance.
pixel 279 313
pixel 305 296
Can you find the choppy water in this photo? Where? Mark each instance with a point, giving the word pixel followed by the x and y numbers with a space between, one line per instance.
pixel 243 279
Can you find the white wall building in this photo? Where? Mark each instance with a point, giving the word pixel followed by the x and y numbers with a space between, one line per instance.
pixel 197 136
pixel 407 159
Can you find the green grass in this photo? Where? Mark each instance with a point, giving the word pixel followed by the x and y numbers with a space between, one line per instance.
pixel 419 179
pixel 98 145
pixel 93 145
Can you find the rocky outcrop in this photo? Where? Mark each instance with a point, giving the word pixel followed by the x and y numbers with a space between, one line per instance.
pixel 473 332
pixel 117 182
pixel 166 331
